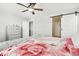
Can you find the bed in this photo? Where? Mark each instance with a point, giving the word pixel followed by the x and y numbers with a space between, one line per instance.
pixel 43 46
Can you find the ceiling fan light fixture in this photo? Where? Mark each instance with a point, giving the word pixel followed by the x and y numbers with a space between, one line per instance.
pixel 30 9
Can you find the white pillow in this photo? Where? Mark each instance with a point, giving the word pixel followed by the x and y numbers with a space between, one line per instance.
pixel 3 45
pixel 49 40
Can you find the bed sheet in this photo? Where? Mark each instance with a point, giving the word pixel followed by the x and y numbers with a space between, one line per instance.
pixel 34 47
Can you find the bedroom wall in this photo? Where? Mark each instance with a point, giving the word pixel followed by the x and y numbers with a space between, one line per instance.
pixel 42 25
pixel 68 25
pixel 78 22
pixel 9 15
pixel 42 20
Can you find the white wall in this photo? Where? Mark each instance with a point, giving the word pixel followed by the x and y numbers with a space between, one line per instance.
pixel 78 22
pixel 42 25
pixel 42 20
pixel 9 15
pixel 68 25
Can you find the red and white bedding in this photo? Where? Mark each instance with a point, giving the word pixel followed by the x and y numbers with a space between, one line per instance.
pixel 37 48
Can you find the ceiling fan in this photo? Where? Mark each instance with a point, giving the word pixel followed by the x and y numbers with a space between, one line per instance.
pixel 30 7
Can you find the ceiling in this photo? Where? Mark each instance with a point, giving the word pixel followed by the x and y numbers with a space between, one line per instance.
pixel 48 8
pixel 58 8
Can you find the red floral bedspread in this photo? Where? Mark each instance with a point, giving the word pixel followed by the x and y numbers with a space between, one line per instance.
pixel 36 48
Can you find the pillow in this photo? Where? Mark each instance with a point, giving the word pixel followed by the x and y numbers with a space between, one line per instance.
pixel 3 45
pixel 69 44
pixel 69 47
pixel 37 35
pixel 49 40
pixel 66 45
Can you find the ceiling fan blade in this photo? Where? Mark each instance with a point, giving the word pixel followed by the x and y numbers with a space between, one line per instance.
pixel 21 4
pixel 38 9
pixel 33 12
pixel 25 10
pixel 31 5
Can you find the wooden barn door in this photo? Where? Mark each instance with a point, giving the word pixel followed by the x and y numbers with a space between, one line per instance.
pixel 56 26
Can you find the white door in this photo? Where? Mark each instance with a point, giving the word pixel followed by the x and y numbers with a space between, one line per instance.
pixel 25 26
pixel 68 25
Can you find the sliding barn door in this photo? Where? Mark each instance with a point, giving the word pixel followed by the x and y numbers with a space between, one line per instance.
pixel 56 26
